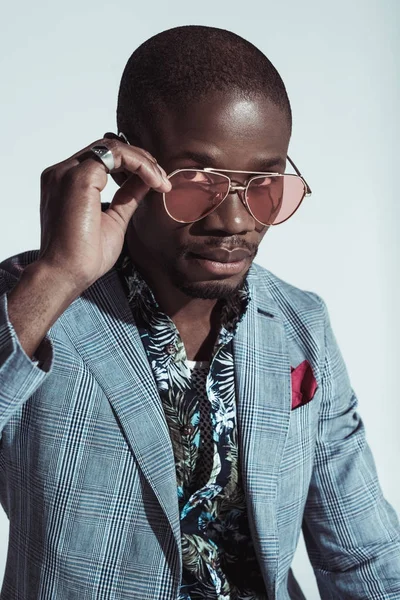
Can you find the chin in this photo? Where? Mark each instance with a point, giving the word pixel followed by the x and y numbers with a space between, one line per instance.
pixel 210 290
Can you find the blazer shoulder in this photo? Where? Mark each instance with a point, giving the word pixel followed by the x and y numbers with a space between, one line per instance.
pixel 303 314
pixel 286 295
pixel 11 268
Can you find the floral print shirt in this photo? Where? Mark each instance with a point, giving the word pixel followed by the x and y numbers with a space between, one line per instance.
pixel 219 562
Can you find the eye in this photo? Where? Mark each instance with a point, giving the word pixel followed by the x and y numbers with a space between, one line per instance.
pixel 261 181
pixel 196 176
pixel 189 175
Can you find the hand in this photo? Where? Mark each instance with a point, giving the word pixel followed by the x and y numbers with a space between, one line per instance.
pixel 79 242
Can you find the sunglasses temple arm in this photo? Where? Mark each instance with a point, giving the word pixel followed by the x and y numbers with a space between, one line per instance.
pixel 299 174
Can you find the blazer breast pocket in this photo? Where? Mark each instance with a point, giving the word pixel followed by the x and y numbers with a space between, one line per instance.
pixel 304 384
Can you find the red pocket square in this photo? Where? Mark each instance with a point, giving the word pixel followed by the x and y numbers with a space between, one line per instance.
pixel 303 384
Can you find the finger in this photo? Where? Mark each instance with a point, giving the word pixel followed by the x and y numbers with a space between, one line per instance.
pixel 121 176
pixel 128 197
pixel 129 159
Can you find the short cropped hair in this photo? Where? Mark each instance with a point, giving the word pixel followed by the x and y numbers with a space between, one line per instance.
pixel 184 64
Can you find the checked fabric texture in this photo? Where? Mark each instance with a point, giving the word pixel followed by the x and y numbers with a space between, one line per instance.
pixel 219 562
pixel 87 465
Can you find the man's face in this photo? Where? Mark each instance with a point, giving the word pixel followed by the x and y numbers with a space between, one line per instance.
pixel 223 132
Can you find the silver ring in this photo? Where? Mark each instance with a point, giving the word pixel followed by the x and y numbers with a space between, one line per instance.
pixel 105 155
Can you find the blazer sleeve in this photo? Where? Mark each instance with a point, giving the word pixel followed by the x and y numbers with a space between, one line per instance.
pixel 20 376
pixel 351 532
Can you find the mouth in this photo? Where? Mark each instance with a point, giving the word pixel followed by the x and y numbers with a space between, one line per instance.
pixel 221 261
pixel 224 255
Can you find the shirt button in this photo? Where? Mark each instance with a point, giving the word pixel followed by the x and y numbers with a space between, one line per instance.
pixel 187 429
pixel 170 349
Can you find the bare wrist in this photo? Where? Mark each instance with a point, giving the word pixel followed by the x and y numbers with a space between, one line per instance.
pixel 53 279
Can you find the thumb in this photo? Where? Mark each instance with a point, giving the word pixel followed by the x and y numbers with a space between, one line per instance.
pixel 128 197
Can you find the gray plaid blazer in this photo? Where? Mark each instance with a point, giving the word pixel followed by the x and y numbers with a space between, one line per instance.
pixel 87 474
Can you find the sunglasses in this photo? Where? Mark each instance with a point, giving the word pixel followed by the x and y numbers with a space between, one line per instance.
pixel 271 198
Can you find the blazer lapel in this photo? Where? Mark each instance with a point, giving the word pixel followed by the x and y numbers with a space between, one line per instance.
pixel 103 330
pixel 262 368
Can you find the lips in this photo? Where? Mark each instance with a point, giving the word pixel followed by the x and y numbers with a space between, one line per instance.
pixel 223 255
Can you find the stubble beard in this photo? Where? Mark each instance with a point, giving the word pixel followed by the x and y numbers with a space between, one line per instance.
pixel 205 290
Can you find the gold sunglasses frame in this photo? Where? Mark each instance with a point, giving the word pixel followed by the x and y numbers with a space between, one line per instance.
pixel 235 188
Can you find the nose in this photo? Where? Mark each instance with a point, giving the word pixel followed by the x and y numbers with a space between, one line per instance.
pixel 232 216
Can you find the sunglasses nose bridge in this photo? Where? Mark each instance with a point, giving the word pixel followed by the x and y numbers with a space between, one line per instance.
pixel 234 187
pixel 238 189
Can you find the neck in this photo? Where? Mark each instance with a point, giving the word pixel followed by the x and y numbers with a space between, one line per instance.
pixel 198 334
pixel 172 301
pixel 197 320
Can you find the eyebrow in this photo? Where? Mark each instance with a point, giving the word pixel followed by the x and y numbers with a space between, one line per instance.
pixel 207 160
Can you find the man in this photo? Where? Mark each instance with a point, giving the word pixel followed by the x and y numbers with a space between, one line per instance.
pixel 171 413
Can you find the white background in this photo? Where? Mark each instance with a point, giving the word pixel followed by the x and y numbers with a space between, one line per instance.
pixel 60 70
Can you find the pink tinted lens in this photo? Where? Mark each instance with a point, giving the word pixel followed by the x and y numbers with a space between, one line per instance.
pixel 195 194
pixel 274 199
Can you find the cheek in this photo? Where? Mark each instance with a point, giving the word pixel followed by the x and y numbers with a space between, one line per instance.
pixel 149 217
pixel 153 227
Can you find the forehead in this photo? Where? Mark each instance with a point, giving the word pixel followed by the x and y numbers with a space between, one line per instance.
pixel 232 131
